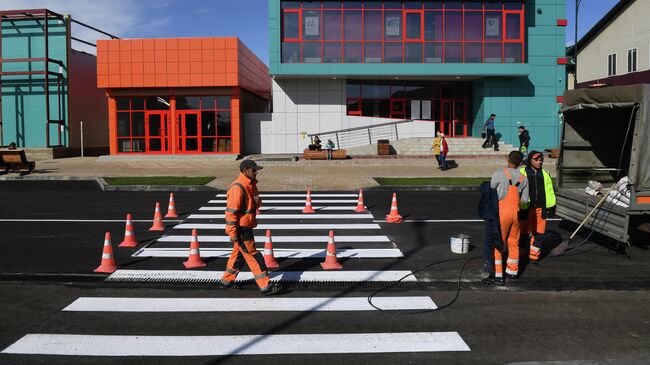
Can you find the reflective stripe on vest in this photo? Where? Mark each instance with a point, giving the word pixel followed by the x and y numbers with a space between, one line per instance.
pixel 548 190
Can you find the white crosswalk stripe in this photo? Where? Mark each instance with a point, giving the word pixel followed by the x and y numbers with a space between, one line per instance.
pixel 299 195
pixel 297 226
pixel 279 239
pixel 376 253
pixel 287 201
pixel 289 216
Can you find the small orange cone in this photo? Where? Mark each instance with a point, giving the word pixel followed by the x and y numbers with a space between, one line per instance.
pixel 361 208
pixel 129 234
pixel 331 263
pixel 269 258
pixel 308 209
pixel 107 264
pixel 194 260
pixel 394 216
pixel 157 220
pixel 171 208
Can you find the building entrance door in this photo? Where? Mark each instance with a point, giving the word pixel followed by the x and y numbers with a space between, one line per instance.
pixel 156 132
pixel 453 122
pixel 397 108
pixel 188 131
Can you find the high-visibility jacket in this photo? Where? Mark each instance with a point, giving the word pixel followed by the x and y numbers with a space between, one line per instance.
pixel 549 193
pixel 242 202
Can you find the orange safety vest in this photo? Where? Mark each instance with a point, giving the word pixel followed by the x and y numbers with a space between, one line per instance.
pixel 242 202
pixel 511 201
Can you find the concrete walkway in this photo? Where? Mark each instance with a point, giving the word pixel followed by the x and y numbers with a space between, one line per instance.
pixel 277 175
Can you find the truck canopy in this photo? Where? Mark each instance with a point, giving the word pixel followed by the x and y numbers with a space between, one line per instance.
pixel 605 136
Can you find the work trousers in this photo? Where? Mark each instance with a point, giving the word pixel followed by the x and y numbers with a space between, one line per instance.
pixel 510 231
pixel 490 136
pixel 244 250
pixel 535 226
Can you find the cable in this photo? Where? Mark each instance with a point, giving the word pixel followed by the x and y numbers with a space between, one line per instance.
pixel 460 274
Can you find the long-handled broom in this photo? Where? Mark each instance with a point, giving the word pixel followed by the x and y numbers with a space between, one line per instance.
pixel 564 245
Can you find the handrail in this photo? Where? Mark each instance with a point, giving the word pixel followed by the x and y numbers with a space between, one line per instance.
pixel 360 128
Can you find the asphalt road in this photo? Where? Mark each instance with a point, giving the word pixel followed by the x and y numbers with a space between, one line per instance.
pixel 499 327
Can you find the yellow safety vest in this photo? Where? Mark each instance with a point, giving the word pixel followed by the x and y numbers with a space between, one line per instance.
pixel 548 189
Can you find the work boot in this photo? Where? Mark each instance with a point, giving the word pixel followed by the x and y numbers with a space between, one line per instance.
pixel 510 277
pixel 230 286
pixel 491 280
pixel 272 289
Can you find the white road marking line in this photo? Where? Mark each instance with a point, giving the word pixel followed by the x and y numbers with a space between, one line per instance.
pixel 110 304
pixel 290 216
pixel 301 276
pixel 303 195
pixel 313 201
pixel 297 207
pixel 367 253
pixel 331 226
pixel 84 220
pixel 331 343
pixel 279 239
pixel 448 220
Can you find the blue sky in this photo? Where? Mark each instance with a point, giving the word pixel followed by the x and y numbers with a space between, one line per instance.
pixel 246 19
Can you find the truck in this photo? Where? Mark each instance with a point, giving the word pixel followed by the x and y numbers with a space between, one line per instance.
pixel 605 137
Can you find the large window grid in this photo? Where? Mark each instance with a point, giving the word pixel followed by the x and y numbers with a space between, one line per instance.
pixel 402 32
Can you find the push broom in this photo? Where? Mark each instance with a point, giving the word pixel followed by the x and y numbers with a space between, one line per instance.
pixel 564 245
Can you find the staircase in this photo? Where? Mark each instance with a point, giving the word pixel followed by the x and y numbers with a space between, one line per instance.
pixel 421 146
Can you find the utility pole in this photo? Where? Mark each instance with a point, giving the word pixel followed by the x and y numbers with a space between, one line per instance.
pixel 575 46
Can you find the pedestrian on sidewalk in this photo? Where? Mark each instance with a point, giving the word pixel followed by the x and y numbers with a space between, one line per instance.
pixel 540 206
pixel 512 190
pixel 490 133
pixel 437 141
pixel 524 141
pixel 444 150
pixel 243 201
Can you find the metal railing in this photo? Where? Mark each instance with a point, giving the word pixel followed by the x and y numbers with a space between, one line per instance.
pixel 360 136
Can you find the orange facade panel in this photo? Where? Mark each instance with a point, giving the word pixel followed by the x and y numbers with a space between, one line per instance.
pixel 180 62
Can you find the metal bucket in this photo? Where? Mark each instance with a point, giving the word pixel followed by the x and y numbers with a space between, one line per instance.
pixel 459 243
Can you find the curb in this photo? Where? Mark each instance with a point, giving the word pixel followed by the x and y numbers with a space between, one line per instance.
pixel 106 187
pixel 47 178
pixel 423 188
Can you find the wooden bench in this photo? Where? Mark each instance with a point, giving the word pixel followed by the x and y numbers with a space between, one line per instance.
pixel 16 161
pixel 322 155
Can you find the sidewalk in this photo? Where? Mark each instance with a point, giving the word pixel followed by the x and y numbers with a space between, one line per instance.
pixel 278 174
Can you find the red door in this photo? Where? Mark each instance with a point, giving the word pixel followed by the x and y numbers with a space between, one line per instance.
pixel 188 131
pixel 397 108
pixel 156 132
pixel 453 122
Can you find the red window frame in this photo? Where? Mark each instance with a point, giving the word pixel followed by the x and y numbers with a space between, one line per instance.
pixel 405 11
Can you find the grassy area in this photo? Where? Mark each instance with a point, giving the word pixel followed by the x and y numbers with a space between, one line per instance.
pixel 159 180
pixel 418 181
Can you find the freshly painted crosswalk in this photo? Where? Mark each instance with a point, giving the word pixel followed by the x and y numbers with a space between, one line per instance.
pixel 287 201
pixel 292 276
pixel 283 208
pixel 289 216
pixel 299 195
pixel 279 239
pixel 277 304
pixel 303 253
pixel 293 227
pixel 321 343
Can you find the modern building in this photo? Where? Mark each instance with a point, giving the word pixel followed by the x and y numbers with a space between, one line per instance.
pixel 445 65
pixel 616 51
pixel 180 95
pixel 46 87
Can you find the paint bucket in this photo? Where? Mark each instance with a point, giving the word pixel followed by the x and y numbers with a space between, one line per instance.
pixel 459 243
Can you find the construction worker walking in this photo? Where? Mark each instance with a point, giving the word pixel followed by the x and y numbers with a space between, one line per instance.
pixel 242 204
pixel 512 190
pixel 540 206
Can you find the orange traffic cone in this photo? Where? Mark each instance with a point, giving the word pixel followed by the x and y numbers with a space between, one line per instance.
pixel 394 216
pixel 331 263
pixel 194 260
pixel 269 258
pixel 129 234
pixel 361 208
pixel 171 208
pixel 308 209
pixel 157 220
pixel 107 265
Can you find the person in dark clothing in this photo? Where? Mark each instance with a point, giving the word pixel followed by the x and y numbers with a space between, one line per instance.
pixel 488 210
pixel 524 141
pixel 490 133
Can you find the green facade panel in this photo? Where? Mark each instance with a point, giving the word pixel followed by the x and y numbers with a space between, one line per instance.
pixel 23 96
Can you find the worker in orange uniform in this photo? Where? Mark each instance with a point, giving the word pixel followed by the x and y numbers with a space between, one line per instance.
pixel 242 204
pixel 540 206
pixel 512 190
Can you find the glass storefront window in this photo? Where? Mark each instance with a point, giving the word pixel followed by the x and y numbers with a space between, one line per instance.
pixel 311 25
pixel 513 23
pixel 290 52
pixel 473 26
pixel 453 53
pixel 453 26
pixel 123 103
pixel 223 102
pixel 223 124
pixel 433 26
pixel 372 53
pixel 393 52
pixel 433 52
pixel 332 52
pixel 372 26
pixel 352 53
pixel 208 123
pixel 413 52
pixel 512 53
pixel 392 25
pixel 332 26
pixel 123 124
pixel 311 53
pixel 493 26
pixel 187 102
pixel 290 25
pixel 352 30
pixel 493 53
pixel 413 26
pixel 353 89
pixel 473 53
pixel 376 90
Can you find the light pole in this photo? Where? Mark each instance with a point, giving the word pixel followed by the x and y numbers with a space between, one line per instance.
pixel 575 46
